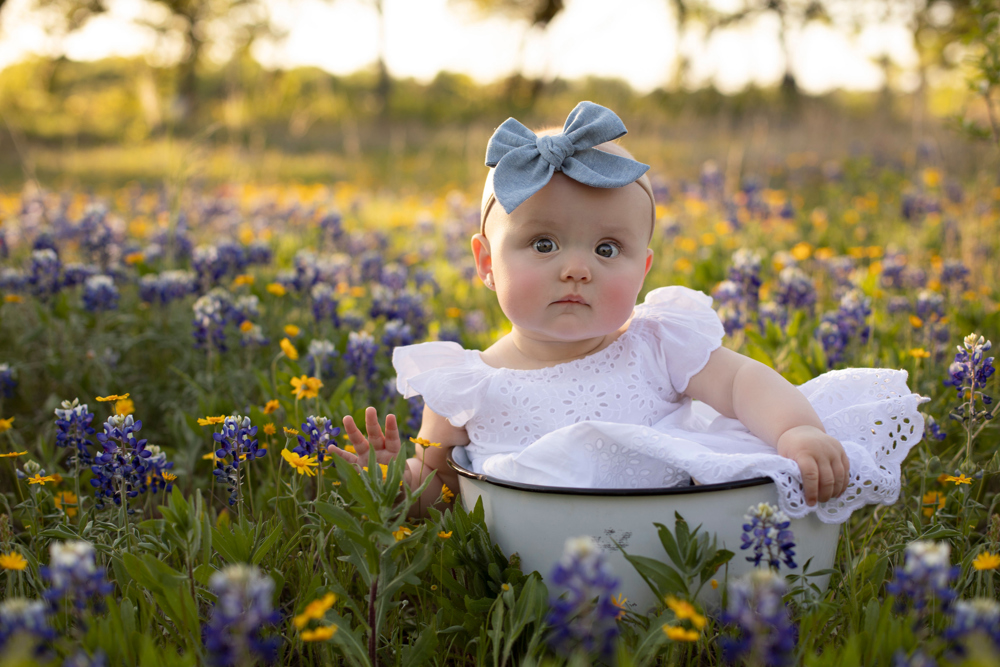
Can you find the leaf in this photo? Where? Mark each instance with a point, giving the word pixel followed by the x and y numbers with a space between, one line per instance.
pixel 420 652
pixel 669 544
pixel 664 579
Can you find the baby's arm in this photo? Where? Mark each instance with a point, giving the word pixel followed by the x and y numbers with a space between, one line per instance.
pixel 777 413
pixel 434 428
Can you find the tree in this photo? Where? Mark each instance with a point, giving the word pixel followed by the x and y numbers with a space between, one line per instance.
pixel 200 24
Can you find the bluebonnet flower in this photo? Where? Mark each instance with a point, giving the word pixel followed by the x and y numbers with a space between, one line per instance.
pixel 208 264
pixel 75 273
pixel 324 304
pixel 415 408
pixel 767 634
pixel 729 295
pixel 158 468
pixel 100 293
pixel 849 322
pixel 8 381
pixel 954 271
pixel 969 618
pixel 73 574
pixel 306 270
pixel 423 277
pixel 45 273
pixel 246 307
pixel 772 312
pixel 258 253
pixel 234 633
pixel 396 334
pixel 320 357
pixel 252 335
pixel 926 574
pixel 360 356
pixel 930 305
pixel 450 333
pixel 577 620
pixel 711 180
pixel 96 235
pixel 969 374
pixel 236 443
pixel 317 434
pixel 394 276
pixel 898 304
pixel 893 265
pixel 120 469
pixel 167 286
pixel 334 269
pixel 13 281
pixel 914 277
pixel 795 289
pixel 211 312
pixel 934 429
pixel 26 618
pixel 73 430
pixel 400 305
pixel 371 266
pixel 352 321
pixel 232 257
pixel 745 272
pixel 475 322
pixel 332 225
pixel 767 531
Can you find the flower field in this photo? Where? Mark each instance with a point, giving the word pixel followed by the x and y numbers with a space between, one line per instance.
pixel 173 365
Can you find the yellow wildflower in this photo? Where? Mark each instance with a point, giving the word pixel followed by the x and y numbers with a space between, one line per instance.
pixel 801 251
pixel 679 634
pixel 961 479
pixel 445 535
pixel 271 406
pixel 38 479
pixel 246 326
pixel 6 424
pixel 112 397
pixel 424 443
pixel 209 421
pixel 12 454
pixel 169 476
pixel 357 292
pixel 447 494
pixel 301 464
pixel 290 431
pixel 919 353
pixel 243 279
pixel 13 298
pixel 292 331
pixel 134 258
pixel 314 611
pixel 124 407
pixel 620 603
pixel 320 634
pixel 684 610
pixel 986 561
pixel 916 322
pixel 13 561
pixel 402 533
pixel 933 501
pixel 714 583
pixel 453 312
pixel 289 349
pixel 211 457
pixel 306 387
pixel 277 289
pixel 67 502
pixel 269 429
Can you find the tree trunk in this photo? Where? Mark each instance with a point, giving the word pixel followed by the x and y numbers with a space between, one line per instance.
pixel 383 88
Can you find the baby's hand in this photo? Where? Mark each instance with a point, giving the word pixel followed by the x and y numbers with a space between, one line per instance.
pixel 822 461
pixel 386 445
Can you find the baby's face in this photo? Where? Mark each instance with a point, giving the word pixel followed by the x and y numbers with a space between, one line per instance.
pixel 569 262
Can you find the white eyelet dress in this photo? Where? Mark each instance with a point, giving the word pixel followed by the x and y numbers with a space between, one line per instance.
pixel 618 419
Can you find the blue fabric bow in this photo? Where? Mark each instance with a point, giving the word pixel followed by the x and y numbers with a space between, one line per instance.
pixel 525 162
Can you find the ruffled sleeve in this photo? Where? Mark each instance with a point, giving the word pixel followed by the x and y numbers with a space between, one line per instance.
pixel 685 330
pixel 444 374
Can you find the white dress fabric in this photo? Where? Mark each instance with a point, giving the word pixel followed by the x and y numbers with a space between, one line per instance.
pixel 618 419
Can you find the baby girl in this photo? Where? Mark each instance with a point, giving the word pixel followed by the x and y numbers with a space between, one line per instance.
pixel 589 389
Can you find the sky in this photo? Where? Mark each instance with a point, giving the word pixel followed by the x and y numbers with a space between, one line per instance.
pixel 635 40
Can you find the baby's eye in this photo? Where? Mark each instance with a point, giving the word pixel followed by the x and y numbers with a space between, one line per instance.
pixel 607 250
pixel 544 245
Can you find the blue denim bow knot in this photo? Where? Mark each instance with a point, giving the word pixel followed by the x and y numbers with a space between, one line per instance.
pixel 524 163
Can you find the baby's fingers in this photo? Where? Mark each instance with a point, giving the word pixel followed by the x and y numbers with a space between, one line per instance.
pixel 392 443
pixel 375 437
pixel 827 481
pixel 810 478
pixel 358 440
pixel 347 456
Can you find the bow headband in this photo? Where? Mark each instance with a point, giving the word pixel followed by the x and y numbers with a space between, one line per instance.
pixel 523 163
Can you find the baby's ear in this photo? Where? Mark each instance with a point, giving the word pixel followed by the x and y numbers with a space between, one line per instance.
pixel 483 257
pixel 649 261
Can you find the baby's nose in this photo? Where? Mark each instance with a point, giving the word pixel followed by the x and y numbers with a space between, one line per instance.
pixel 576 269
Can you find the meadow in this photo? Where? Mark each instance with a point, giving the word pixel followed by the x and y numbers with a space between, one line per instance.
pixel 174 359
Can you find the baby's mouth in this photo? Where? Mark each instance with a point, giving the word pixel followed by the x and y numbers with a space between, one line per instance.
pixel 572 298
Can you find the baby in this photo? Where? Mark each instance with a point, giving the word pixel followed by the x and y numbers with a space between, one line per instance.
pixel 587 386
